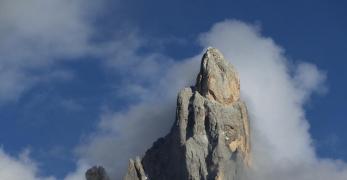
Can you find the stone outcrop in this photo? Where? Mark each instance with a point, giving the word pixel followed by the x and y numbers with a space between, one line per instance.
pixel 97 173
pixel 210 136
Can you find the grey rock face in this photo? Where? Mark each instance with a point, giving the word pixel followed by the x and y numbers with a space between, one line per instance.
pixel 135 170
pixel 210 137
pixel 96 173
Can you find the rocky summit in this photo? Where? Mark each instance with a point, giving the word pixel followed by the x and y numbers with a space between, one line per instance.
pixel 210 138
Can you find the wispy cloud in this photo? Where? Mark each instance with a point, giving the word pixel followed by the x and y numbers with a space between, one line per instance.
pixel 37 34
pixel 19 168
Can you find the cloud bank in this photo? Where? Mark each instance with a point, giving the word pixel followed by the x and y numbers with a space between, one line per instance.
pixel 274 89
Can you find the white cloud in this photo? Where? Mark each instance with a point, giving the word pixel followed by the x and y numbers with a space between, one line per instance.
pixel 79 173
pixel 19 168
pixel 154 80
pixel 23 167
pixel 274 101
pixel 35 35
pixel 309 79
pixel 275 92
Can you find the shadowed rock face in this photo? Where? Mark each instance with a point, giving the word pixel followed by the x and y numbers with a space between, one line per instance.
pixel 96 173
pixel 210 137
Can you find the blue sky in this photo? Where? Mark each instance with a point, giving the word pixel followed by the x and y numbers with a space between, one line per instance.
pixel 68 66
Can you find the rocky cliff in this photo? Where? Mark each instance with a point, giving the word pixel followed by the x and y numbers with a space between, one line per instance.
pixel 210 137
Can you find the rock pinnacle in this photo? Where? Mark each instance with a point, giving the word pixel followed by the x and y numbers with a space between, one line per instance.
pixel 210 138
pixel 217 79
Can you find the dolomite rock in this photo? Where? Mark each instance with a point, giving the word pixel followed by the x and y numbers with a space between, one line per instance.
pixel 97 173
pixel 210 137
pixel 217 79
pixel 135 170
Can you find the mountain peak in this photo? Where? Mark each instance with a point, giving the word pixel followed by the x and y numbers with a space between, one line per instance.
pixel 209 139
pixel 218 79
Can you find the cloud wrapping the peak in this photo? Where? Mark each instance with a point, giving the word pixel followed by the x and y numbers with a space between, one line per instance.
pixel 275 92
pixel 275 103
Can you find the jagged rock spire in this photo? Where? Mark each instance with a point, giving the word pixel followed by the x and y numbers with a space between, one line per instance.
pixel 210 137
